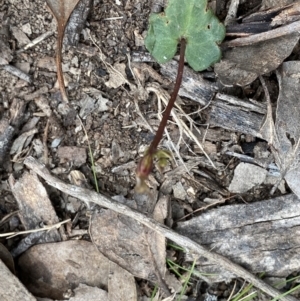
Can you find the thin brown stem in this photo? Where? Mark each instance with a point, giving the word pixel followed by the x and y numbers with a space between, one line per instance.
pixel 163 123
pixel 60 77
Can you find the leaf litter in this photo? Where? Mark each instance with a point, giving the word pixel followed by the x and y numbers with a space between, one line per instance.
pixel 284 134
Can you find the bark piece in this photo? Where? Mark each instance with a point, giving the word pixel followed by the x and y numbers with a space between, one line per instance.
pixel 19 73
pixel 287 124
pixel 77 22
pixel 48 62
pixel 290 14
pixel 257 236
pixel 11 289
pixel 33 201
pixel 35 210
pixel 6 136
pixel 234 119
pixel 193 85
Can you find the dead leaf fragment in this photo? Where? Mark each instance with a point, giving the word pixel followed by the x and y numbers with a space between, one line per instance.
pixel 131 245
pixel 35 210
pixel 117 76
pixel 121 286
pixel 284 136
pixel 89 104
pixel 23 141
pixel 242 65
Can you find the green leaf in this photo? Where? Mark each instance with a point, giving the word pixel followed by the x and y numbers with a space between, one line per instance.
pixel 191 20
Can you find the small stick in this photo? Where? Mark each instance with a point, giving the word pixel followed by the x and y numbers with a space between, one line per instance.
pixel 87 196
pixel 13 234
pixel 17 72
pixel 272 34
pixel 112 18
pixel 45 138
pixel 36 41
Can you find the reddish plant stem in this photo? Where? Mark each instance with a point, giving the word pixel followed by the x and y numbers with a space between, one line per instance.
pixel 163 123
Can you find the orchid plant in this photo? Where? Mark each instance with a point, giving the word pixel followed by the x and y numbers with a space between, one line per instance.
pixel 198 32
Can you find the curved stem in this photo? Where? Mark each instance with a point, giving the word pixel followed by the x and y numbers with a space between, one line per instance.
pixel 60 77
pixel 163 123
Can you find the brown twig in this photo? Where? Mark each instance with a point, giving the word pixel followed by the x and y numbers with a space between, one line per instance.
pixel 272 34
pixel 88 196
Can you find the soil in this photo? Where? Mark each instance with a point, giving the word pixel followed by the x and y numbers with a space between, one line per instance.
pixel 116 133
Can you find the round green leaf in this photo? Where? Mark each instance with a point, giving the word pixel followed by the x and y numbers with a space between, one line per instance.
pixel 191 20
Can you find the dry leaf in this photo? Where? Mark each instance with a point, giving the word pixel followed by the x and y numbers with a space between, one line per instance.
pixel 160 212
pixel 131 245
pixel 117 76
pixel 284 136
pixel 242 65
pixel 61 9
